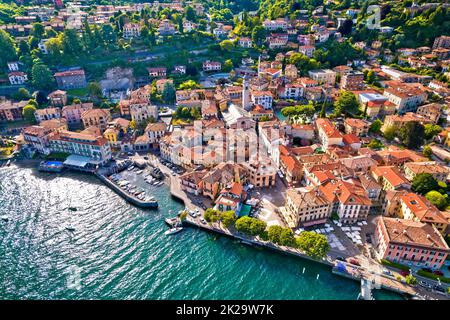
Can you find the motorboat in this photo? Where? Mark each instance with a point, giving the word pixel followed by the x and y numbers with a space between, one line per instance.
pixel 173 230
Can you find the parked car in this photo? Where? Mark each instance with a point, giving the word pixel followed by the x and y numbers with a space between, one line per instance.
pixel 387 272
pixel 354 262
pixel 439 289
pixel 404 273
pixel 424 284
pixel 438 273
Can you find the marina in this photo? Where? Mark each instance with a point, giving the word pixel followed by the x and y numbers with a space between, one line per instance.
pixel 122 252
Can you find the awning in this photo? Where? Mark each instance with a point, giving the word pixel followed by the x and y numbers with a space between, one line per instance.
pixel 77 161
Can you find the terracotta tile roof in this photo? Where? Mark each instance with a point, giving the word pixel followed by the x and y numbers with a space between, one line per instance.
pixel 422 209
pixel 413 233
pixel 327 127
pixel 391 174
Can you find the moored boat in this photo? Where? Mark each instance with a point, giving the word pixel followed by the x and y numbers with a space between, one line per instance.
pixel 173 230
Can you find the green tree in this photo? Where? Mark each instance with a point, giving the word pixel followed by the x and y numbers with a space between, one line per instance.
pixel 436 198
pixel 375 144
pixel 346 103
pixel 42 77
pixel 257 227
pixel 28 113
pixel 431 130
pixel 259 35
pixel 211 215
pixel 274 233
pixel 38 30
pixel 22 94
pixel 226 45
pixel 375 127
pixel 287 238
pixel 370 77
pixel 189 84
pixel 228 65
pixel 411 280
pixel 228 218
pixel 168 93
pixel 7 49
pixel 71 43
pixel 427 152
pixel 313 244
pixel 243 224
pixel 424 183
pixel 390 132
pixel 95 90
pixel 411 134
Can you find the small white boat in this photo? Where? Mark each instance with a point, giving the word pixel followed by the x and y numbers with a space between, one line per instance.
pixel 70 228
pixel 4 218
pixel 173 231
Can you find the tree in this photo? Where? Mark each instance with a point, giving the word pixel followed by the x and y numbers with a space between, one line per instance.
pixel 71 43
pixel 346 27
pixel 346 103
pixel 431 130
pixel 189 85
pixel 228 65
pixel 228 218
pixel 303 63
pixel 133 124
pixel 168 93
pixel 28 113
pixel 424 183
pixel 370 77
pixel 375 144
pixel 287 238
pixel 7 49
pixel 274 233
pixel 390 132
pixel 95 90
pixel 259 35
pixel 22 94
pixel 243 224
pixel 375 127
pixel 226 45
pixel 190 14
pixel 257 227
pixel 211 215
pixel 410 279
pixel 38 30
pixel 411 134
pixel 427 152
pixel 42 78
pixel 313 244
pixel 436 198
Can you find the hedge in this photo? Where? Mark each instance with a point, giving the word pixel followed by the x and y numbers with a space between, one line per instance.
pixel 433 276
pixel 394 265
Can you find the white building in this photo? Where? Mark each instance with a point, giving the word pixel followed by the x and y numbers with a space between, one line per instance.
pixel 323 76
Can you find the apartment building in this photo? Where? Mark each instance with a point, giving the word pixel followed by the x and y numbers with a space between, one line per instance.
pixel 410 242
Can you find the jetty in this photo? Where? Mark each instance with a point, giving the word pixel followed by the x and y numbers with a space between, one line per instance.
pixel 128 197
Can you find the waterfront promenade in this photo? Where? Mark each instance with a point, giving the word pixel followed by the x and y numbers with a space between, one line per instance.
pixel 379 280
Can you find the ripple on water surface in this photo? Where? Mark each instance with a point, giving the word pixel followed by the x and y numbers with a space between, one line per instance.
pixel 121 252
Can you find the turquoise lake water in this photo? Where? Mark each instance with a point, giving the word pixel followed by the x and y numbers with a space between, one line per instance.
pixel 120 252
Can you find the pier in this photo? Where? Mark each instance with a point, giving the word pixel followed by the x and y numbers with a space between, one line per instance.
pixel 128 197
